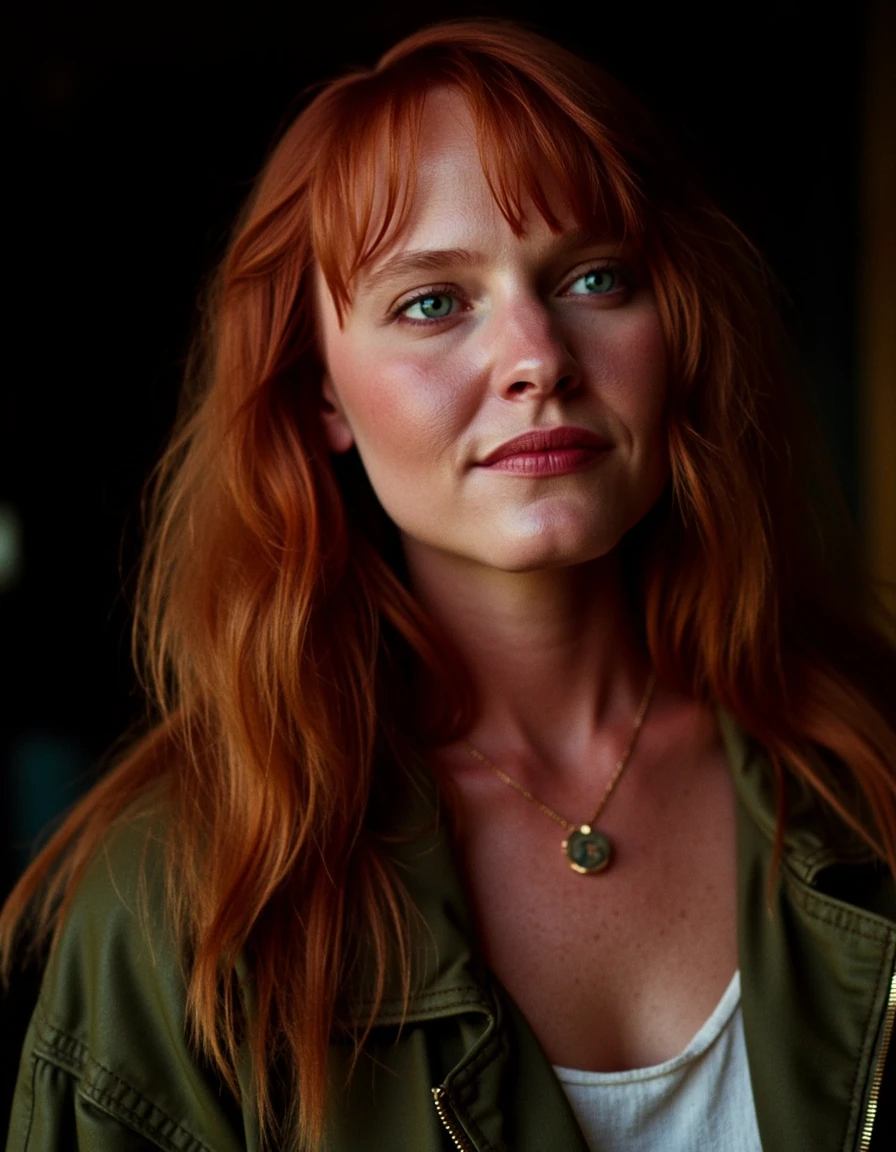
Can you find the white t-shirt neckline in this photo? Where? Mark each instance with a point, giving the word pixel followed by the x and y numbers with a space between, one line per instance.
pixel 701 1098
pixel 709 1031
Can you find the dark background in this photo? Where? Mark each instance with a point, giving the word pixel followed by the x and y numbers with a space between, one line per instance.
pixel 135 132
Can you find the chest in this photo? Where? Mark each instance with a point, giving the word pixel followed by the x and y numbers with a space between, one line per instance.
pixel 618 969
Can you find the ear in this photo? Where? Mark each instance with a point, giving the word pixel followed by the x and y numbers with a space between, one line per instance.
pixel 336 427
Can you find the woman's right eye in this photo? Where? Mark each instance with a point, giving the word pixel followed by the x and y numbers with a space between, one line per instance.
pixel 430 306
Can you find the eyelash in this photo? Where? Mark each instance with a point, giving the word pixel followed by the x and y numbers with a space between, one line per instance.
pixel 399 312
pixel 621 271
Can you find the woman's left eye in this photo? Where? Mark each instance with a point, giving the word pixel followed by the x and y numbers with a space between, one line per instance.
pixel 432 306
pixel 597 282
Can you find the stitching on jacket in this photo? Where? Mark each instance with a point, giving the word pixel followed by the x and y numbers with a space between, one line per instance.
pixel 33 1101
pixel 111 1100
pixel 494 1046
pixel 435 994
pixel 826 910
pixel 171 1141
pixel 855 1095
pixel 62 1050
pixel 489 1054
pixel 423 1005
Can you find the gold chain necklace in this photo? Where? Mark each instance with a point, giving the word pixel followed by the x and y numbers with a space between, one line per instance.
pixel 587 850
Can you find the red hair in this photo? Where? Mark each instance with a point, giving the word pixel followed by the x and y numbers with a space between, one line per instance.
pixel 265 600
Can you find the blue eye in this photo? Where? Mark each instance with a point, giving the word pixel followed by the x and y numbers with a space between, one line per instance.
pixel 597 282
pixel 434 306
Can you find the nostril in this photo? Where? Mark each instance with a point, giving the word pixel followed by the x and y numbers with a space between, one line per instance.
pixel 548 385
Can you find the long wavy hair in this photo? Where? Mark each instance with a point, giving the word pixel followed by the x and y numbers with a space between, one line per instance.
pixel 275 630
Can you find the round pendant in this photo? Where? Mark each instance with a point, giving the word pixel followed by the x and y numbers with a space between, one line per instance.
pixel 588 850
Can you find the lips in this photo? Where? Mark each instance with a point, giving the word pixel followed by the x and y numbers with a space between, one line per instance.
pixel 546 441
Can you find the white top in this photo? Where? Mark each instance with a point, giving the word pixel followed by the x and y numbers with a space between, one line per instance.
pixel 699 1099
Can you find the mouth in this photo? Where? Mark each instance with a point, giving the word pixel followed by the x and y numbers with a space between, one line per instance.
pixel 548 452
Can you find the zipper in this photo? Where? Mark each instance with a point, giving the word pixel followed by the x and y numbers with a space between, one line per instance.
pixel 449 1123
pixel 877 1077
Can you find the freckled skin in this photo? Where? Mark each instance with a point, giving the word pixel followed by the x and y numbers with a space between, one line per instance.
pixel 424 403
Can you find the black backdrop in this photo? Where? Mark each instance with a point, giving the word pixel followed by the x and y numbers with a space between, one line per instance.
pixel 134 133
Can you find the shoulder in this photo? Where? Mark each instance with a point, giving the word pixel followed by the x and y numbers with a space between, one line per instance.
pixel 107 1045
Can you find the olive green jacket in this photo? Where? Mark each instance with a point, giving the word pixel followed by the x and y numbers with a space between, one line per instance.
pixel 106 1066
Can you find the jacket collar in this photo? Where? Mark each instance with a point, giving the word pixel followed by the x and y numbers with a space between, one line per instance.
pixel 449 976
pixel 814 837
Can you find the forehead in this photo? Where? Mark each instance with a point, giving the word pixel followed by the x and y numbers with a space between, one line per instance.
pixel 447 132
pixel 441 166
pixel 451 201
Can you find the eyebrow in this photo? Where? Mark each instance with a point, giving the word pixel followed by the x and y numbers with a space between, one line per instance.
pixel 437 259
pixel 423 260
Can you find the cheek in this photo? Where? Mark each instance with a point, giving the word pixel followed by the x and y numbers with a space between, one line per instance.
pixel 406 407
pixel 633 371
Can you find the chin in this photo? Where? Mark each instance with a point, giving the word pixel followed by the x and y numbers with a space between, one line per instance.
pixel 537 555
pixel 559 539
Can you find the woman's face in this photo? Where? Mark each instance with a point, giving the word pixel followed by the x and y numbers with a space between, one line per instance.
pixel 462 337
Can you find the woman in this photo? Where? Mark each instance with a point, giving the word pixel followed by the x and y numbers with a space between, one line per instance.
pixel 523 777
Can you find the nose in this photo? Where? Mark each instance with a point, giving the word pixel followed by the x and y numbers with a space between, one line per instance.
pixel 531 357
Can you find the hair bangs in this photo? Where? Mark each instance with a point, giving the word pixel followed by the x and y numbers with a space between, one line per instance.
pixel 535 151
pixel 365 183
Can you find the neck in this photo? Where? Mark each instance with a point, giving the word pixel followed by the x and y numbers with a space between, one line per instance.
pixel 553 655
